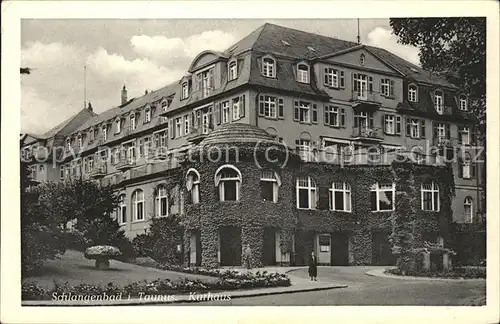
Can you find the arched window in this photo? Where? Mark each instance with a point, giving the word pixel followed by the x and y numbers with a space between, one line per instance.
pixel 233 70
pixel 80 141
pixel 430 196
pixel 91 134
pixel 468 210
pixel 340 196
pixel 463 102
pixel 302 73
pixel 383 196
pixel 412 93
pixel 138 205
pixel 269 184
pixel 147 115
pixel 161 201
pixel 193 186
pixel 362 59
pixel 306 193
pixel 269 67
pixel 228 180
pixel 185 90
pixel 438 101
pixel 121 210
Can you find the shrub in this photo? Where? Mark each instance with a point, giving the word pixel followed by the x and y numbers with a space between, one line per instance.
pixel 143 245
pixel 31 291
pixel 457 272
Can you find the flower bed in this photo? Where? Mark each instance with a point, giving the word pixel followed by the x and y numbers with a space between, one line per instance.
pixel 32 291
pixel 228 274
pixel 455 273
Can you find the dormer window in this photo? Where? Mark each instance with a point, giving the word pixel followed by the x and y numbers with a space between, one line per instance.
pixel 147 115
pixel 80 141
pixel 412 93
pixel 132 122
pixel 362 59
pixel 233 70
pixel 268 67
pixel 91 135
pixel 185 90
pixel 118 126
pixel 302 73
pixel 105 132
pixel 462 99
pixel 438 102
pixel 68 143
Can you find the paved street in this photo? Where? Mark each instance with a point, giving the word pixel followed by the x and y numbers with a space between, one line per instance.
pixel 366 290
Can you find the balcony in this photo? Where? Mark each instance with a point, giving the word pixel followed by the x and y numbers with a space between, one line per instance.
pixel 367 134
pixel 158 153
pixel 198 134
pixel 366 100
pixel 125 163
pixel 99 171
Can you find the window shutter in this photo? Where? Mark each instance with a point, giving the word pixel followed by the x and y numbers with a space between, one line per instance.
pixel 384 116
pixel 171 127
pixel 370 121
pixel 242 106
pixel 460 168
pixel 280 108
pixel 473 170
pixel 448 135
pixel 261 105
pixel 217 113
pixel 434 132
pixel 342 117
pixel 211 76
pixel 325 77
pixel 199 80
pixel 326 120
pixel 408 129
pixel 314 113
pixel 296 115
pixel 194 121
pixel 422 128
pixel 354 84
pixel 391 88
pixel 459 135
pixel 473 136
pixel 370 84
pixel 324 199
pixel 342 81
pixel 398 125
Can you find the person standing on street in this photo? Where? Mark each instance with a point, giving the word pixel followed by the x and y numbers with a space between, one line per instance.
pixel 313 267
pixel 247 255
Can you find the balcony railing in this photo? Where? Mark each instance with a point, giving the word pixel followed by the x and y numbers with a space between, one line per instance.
pixel 99 171
pixel 199 133
pixel 366 133
pixel 126 163
pixel 158 152
pixel 370 97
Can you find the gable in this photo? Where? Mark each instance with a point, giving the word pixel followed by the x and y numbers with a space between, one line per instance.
pixel 203 59
pixel 353 58
pixel 29 139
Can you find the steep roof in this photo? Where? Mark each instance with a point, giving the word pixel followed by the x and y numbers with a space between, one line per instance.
pixel 289 42
pixel 69 125
pixel 132 104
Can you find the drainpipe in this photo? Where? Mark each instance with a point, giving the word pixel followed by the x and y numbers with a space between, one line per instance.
pixel 257 109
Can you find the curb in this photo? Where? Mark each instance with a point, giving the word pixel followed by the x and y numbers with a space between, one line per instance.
pixel 381 274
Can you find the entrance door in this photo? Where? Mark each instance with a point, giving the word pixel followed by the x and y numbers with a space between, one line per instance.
pixel 381 249
pixel 269 248
pixel 198 247
pixel 230 246
pixel 340 249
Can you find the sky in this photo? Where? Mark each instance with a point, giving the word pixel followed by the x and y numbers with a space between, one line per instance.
pixel 143 54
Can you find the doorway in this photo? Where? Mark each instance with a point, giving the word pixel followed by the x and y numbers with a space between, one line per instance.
pixel 269 247
pixel 230 246
pixel 381 249
pixel 340 249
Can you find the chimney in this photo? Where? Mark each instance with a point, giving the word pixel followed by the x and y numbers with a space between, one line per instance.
pixel 90 107
pixel 146 92
pixel 124 95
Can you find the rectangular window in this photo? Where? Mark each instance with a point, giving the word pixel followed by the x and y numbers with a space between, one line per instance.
pixel 267 106
pixel 230 190
pixel 186 125
pixel 305 112
pixel 415 128
pixel 185 90
pixel 390 124
pixel 140 210
pixel 332 116
pixel 387 87
pixel 236 108
pixel 141 147
pixel 178 126
pixel 132 122
pixel 267 190
pixel 225 112
pixel 147 115
pixel 324 242
pixel 334 78
pixel 464 133
pixel 382 197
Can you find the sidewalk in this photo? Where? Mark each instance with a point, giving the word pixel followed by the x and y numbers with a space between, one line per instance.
pixel 298 285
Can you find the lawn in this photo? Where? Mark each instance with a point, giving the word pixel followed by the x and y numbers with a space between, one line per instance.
pixel 73 268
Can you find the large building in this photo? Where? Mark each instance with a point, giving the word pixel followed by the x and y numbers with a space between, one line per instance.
pixel 344 109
